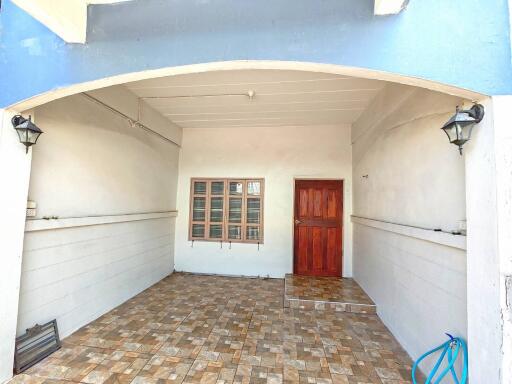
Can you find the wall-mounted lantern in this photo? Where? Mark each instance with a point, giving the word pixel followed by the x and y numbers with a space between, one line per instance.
pixel 459 127
pixel 28 132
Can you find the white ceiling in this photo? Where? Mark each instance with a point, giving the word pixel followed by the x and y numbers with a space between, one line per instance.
pixel 219 99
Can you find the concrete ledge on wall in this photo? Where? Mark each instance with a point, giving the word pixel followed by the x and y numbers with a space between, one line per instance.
pixel 44 225
pixel 444 238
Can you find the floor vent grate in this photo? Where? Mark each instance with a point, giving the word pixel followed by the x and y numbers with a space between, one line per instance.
pixel 37 343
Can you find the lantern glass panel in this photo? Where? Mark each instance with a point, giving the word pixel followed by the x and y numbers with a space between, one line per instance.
pixel 32 136
pixel 459 132
pixel 465 131
pixel 22 134
pixel 451 132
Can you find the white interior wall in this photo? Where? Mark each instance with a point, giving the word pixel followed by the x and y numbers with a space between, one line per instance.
pixel 278 154
pixel 104 180
pixel 415 177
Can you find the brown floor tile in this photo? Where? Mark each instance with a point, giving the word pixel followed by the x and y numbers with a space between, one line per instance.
pixel 221 330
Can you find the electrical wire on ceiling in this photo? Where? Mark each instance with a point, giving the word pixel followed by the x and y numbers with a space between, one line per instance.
pixel 250 94
pixel 137 123
pixel 133 123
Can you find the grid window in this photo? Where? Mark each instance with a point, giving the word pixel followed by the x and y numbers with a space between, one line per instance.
pixel 226 210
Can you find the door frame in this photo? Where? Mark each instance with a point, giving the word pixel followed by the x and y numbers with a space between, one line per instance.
pixel 295 179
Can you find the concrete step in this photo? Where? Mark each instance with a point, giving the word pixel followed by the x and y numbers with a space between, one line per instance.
pixel 326 294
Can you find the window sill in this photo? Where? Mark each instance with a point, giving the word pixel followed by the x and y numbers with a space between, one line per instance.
pixel 227 241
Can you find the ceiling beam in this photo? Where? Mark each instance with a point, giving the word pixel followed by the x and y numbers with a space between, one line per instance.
pixel 67 19
pixel 389 7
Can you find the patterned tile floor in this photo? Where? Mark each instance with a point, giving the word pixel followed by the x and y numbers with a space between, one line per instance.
pixel 211 329
pixel 326 293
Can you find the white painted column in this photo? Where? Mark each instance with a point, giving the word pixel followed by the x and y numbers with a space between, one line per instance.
pixel 489 244
pixel 503 144
pixel 14 181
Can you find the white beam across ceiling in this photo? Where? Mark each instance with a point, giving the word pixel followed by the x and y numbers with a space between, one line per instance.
pixel 389 7
pixel 66 18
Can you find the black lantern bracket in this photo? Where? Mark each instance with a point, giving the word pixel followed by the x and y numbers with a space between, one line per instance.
pixel 476 112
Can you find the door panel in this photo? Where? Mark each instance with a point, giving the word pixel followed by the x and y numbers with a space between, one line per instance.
pixel 332 205
pixel 301 239
pixel 318 249
pixel 318 227
pixel 317 203
pixel 333 251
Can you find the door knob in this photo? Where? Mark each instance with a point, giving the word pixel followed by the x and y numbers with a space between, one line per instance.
pixel 297 221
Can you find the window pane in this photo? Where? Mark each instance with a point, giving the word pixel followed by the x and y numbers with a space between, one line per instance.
pixel 235 232
pixel 216 231
pixel 217 188
pixel 253 233
pixel 243 200
pixel 253 188
pixel 235 210
pixel 200 188
pixel 253 211
pixel 217 209
pixel 198 230
pixel 236 188
pixel 199 210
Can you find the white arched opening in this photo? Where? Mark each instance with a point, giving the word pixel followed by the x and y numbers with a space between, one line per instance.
pixel 363 73
pixel 407 102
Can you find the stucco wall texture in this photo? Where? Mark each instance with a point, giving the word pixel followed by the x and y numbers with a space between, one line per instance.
pixel 460 42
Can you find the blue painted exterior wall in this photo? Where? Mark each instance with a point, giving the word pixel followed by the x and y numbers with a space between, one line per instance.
pixel 464 43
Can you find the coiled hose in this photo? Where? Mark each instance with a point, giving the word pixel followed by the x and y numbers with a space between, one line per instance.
pixel 451 349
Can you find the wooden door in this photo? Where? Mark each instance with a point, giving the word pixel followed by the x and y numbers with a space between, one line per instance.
pixel 318 227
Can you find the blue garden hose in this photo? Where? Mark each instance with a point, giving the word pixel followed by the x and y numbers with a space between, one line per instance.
pixel 451 349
